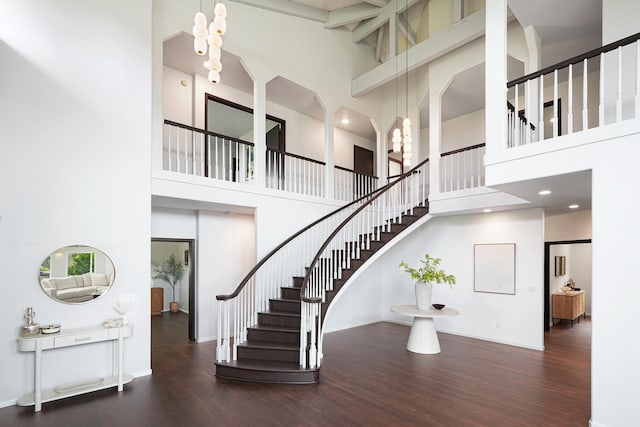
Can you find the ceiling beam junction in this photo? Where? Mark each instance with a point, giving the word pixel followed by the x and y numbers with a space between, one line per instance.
pixel 288 7
pixel 379 3
pixel 406 29
pixel 348 15
pixel 391 9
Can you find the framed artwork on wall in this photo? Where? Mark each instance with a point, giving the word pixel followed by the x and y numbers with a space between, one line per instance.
pixel 561 265
pixel 494 268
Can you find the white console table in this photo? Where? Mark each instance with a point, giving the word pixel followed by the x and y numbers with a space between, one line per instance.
pixel 70 338
pixel 423 337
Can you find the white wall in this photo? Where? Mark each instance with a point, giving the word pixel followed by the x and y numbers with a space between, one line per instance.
pixel 177 89
pixel 80 176
pixel 611 153
pixel 511 319
pixel 580 267
pixel 571 226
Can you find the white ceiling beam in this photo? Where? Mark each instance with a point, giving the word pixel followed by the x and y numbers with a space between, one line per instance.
pixel 379 3
pixel 439 44
pixel 379 44
pixel 288 7
pixel 406 29
pixel 366 28
pixel 348 15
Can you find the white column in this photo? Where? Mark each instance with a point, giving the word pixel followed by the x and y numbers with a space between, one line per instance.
pixel 533 64
pixel 329 152
pixel 259 132
pixel 435 126
pixel 495 76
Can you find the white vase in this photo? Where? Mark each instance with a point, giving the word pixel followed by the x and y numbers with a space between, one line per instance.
pixel 423 295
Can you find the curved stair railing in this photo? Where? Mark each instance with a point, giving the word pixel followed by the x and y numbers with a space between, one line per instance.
pixel 239 310
pixel 368 224
pixel 348 231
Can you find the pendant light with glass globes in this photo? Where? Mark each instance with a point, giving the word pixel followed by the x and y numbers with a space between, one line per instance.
pixel 211 37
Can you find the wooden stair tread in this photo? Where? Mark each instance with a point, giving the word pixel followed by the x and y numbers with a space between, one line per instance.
pixel 284 299
pixel 266 365
pixel 271 345
pixel 274 328
pixel 280 313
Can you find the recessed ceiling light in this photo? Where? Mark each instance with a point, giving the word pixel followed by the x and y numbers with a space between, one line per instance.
pixel 345 121
pixel 544 192
pixel 574 206
pixel 487 210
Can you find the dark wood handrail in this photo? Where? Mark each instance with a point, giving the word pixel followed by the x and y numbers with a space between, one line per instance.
pixel 345 222
pixel 297 156
pixel 284 243
pixel 461 150
pixel 587 55
pixel 352 171
pixel 206 132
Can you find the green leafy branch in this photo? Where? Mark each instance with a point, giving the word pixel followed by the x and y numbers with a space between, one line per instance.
pixel 429 272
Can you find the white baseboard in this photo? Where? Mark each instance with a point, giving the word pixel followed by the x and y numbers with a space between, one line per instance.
pixel 354 325
pixel 8 403
pixel 206 339
pixel 144 373
pixel 594 424
pixel 446 331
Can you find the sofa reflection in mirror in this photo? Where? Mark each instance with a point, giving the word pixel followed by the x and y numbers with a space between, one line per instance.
pixel 76 274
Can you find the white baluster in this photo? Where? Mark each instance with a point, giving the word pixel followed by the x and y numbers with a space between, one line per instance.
pixel 585 93
pixel 570 103
pixel 619 95
pixel 601 105
pixel 637 110
pixel 516 122
pixel 541 111
pixel 527 111
pixel 555 105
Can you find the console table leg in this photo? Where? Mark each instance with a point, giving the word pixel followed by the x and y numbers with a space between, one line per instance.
pixel 38 377
pixel 120 359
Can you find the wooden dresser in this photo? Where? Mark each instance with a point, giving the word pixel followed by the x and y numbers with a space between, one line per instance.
pixel 157 300
pixel 568 305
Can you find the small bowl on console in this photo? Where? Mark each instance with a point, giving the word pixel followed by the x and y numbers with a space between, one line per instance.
pixel 50 329
pixel 438 306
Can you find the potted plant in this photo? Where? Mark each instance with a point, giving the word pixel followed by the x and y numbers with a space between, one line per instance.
pixel 170 270
pixel 424 277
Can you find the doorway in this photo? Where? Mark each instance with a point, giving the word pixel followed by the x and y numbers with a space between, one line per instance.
pixel 565 260
pixel 178 325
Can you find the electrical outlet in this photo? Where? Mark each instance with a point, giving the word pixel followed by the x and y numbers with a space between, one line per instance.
pixel 497 325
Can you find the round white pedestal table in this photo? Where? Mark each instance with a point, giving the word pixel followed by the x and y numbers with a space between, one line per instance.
pixel 423 338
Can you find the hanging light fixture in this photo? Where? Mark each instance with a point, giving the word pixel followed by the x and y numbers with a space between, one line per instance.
pixel 210 39
pixel 397 138
pixel 200 32
pixel 406 123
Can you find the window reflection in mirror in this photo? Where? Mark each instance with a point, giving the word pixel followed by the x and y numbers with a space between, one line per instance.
pixel 76 274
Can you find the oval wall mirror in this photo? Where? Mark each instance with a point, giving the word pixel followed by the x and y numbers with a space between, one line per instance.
pixel 76 274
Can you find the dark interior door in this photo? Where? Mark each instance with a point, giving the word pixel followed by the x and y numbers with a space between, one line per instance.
pixel 362 161
pixel 275 154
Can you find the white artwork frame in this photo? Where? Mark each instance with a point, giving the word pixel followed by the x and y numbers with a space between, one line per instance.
pixel 494 269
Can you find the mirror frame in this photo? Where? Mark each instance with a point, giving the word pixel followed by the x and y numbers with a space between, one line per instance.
pixel 79 288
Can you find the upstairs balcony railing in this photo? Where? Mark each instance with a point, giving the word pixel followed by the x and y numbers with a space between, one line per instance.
pixel 349 185
pixel 192 151
pixel 594 89
pixel 463 168
pixel 198 152
pixel 294 173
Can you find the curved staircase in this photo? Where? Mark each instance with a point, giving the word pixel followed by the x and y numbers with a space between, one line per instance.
pixel 270 328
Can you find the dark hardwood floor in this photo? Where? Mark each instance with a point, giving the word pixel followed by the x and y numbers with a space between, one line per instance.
pixel 367 378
